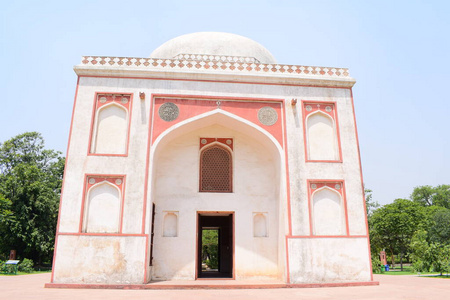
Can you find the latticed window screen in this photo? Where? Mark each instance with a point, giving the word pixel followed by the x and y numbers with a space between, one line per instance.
pixel 216 170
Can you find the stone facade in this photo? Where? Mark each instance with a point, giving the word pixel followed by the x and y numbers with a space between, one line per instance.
pixel 132 196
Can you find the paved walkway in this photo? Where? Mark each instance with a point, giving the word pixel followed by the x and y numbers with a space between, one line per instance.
pixel 391 287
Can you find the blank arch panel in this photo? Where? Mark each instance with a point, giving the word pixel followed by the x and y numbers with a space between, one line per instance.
pixel 327 213
pixel 103 209
pixel 170 224
pixel 111 131
pixel 321 138
pixel 260 225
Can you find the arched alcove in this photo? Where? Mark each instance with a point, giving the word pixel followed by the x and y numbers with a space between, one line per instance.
pixel 102 212
pixel 111 130
pixel 260 225
pixel 321 137
pixel 327 212
pixel 170 226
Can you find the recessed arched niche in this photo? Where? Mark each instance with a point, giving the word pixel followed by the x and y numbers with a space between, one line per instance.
pixel 102 213
pixel 327 212
pixel 111 130
pixel 321 137
pixel 170 224
pixel 260 225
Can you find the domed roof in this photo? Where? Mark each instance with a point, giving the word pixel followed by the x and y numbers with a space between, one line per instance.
pixel 214 43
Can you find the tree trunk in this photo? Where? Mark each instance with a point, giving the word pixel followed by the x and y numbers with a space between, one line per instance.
pixel 401 261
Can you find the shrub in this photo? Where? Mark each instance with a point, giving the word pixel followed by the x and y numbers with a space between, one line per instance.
pixel 26 265
pixel 376 265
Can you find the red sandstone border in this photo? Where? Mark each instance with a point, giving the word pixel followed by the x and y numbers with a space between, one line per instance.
pixel 156 286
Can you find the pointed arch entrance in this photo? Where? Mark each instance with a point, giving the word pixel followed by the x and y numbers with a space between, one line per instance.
pixel 256 179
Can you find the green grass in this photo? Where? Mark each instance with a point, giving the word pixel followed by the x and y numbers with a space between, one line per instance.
pixel 410 271
pixel 23 273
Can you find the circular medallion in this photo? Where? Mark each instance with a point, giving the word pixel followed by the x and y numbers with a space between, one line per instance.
pixel 91 180
pixel 118 181
pixel 313 186
pixel 102 99
pixel 337 186
pixel 328 109
pixel 267 116
pixel 168 111
pixel 228 142
pixel 204 141
pixel 308 108
pixel 124 100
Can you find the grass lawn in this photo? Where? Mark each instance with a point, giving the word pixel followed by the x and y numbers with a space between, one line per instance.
pixel 23 273
pixel 410 271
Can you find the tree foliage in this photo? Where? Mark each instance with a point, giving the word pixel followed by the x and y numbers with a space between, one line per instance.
pixel 393 225
pixel 371 204
pixel 432 196
pixel 419 227
pixel 30 182
pixel 429 256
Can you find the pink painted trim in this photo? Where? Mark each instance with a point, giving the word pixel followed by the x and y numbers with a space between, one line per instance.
pixel 344 198
pixel 288 275
pixel 95 109
pixel 220 81
pixel 362 185
pixel 64 179
pixel 193 97
pixel 147 162
pixel 336 122
pixel 288 187
pixel 325 236
pixel 206 286
pixel 337 284
pixel 101 234
pixel 86 189
pixel 146 262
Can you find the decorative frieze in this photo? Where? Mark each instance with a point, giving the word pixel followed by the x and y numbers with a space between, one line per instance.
pixel 219 63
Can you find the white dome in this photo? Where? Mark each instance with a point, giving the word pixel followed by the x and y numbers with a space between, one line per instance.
pixel 214 43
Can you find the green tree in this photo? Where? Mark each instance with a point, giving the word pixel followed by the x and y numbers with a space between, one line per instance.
pixel 428 196
pixel 371 205
pixel 393 225
pixel 30 180
pixel 439 231
pixel 428 256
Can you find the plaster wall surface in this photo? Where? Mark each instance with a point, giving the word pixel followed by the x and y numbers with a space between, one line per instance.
pixel 100 259
pixel 328 260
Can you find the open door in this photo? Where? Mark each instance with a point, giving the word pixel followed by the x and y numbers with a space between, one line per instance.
pixel 215 245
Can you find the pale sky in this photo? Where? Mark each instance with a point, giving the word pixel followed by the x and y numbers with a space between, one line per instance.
pixel 398 51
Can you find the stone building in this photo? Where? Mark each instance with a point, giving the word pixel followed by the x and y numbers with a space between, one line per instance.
pixel 211 133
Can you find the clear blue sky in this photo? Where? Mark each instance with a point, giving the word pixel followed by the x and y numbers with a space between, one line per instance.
pixel 398 51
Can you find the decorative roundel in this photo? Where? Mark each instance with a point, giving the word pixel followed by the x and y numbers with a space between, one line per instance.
pixel 124 100
pixel 337 186
pixel 228 142
pixel 168 111
pixel 267 115
pixel 91 180
pixel 313 186
pixel 118 181
pixel 328 109
pixel 102 99
pixel 308 107
pixel 204 141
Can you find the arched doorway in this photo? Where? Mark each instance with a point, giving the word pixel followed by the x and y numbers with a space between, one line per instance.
pixel 256 177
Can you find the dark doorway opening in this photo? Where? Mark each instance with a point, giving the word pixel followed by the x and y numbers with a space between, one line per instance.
pixel 215 245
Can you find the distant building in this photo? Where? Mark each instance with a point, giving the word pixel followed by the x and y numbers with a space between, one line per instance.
pixel 211 133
